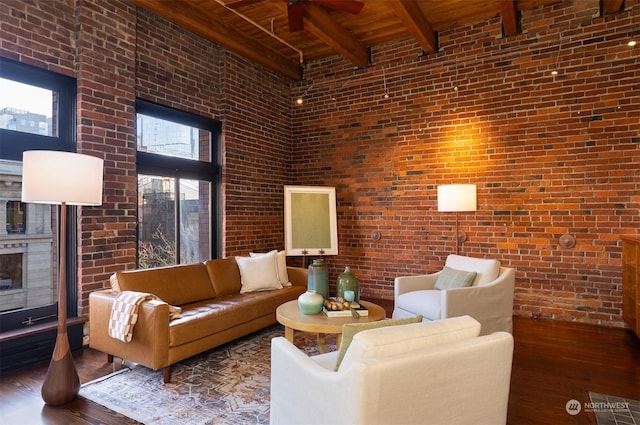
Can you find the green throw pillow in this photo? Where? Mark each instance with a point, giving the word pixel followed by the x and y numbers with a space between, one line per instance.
pixel 451 278
pixel 350 329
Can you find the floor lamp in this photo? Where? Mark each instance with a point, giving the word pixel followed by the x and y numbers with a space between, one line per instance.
pixel 61 178
pixel 457 198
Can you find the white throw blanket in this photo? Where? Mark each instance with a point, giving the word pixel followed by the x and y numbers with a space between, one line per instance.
pixel 124 313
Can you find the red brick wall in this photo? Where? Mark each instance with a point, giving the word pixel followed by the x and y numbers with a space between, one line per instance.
pixel 118 52
pixel 549 155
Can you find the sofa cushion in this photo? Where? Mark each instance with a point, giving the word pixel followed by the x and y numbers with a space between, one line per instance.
pixel 349 330
pixel 258 273
pixel 176 285
pixel 487 270
pixel 204 318
pixel 425 302
pixel 450 278
pixel 391 341
pixel 281 265
pixel 224 275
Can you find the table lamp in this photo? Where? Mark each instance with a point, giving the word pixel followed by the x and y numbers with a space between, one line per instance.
pixel 457 198
pixel 61 178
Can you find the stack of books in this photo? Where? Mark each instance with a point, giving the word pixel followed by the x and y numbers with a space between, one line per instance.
pixel 362 311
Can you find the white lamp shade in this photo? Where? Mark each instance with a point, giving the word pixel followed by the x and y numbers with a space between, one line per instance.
pixel 457 197
pixel 54 177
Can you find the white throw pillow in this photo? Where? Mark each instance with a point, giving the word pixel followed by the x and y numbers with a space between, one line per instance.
pixel 281 265
pixel 258 273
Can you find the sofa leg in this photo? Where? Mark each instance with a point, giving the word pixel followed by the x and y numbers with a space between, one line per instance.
pixel 110 358
pixel 167 374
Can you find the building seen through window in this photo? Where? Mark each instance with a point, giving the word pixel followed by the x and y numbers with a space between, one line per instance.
pixel 178 177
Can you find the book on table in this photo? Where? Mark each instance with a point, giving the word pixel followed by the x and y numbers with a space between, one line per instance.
pixel 362 311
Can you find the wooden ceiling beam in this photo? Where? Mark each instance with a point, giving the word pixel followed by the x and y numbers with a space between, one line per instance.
pixel 509 14
pixel 186 16
pixel 413 18
pixel 320 23
pixel 610 6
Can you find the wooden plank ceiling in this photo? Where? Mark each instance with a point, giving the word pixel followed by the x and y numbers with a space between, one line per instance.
pixel 283 36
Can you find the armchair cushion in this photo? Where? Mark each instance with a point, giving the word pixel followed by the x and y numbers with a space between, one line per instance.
pixel 350 329
pixel 427 302
pixel 452 278
pixel 382 343
pixel 487 270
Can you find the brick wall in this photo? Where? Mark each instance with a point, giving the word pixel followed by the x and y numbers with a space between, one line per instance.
pixel 118 52
pixel 550 155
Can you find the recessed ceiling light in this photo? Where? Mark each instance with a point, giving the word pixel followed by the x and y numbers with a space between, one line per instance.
pixel 631 43
pixel 554 72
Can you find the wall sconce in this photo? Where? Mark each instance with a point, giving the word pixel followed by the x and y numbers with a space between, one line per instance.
pixel 457 198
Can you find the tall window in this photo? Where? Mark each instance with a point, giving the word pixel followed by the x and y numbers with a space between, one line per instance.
pixel 37 111
pixel 178 186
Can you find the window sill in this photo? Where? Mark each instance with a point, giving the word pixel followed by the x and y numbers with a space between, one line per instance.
pixel 39 328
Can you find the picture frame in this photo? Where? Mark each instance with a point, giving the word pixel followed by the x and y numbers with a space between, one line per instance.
pixel 311 226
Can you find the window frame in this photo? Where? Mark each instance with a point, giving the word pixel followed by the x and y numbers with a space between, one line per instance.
pixel 156 164
pixel 14 143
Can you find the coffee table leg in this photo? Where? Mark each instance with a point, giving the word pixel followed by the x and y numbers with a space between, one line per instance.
pixel 322 344
pixel 288 334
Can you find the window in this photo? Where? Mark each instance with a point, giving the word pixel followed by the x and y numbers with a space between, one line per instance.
pixel 37 111
pixel 16 218
pixel 10 271
pixel 178 186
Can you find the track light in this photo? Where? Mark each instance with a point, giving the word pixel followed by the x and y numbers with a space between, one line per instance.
pixel 300 99
pixel 384 81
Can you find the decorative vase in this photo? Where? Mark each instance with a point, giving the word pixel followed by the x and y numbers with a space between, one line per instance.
pixel 310 302
pixel 348 281
pixel 318 279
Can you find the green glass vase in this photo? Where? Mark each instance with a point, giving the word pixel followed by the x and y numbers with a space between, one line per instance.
pixel 348 281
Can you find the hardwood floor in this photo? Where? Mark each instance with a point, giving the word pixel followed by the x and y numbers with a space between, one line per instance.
pixel 554 362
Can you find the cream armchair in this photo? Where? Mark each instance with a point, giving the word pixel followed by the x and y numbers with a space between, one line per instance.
pixel 489 299
pixel 423 373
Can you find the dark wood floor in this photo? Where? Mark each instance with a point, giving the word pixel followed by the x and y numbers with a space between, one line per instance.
pixel 554 362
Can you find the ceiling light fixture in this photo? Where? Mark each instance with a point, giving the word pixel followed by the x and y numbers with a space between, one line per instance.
pixel 300 99
pixel 555 70
pixel 631 43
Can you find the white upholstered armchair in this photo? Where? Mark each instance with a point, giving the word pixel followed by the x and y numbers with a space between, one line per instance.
pixel 488 299
pixel 422 373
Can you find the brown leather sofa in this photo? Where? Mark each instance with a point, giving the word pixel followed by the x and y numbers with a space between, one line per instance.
pixel 213 311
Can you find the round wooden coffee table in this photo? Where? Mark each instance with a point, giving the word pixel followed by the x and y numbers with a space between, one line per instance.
pixel 289 315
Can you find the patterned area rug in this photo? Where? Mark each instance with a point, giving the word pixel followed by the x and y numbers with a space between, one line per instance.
pixel 227 385
pixel 612 410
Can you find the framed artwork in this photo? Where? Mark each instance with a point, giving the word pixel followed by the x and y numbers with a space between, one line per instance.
pixel 310 220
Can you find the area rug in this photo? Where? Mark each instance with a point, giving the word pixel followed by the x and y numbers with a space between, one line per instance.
pixel 612 410
pixel 226 385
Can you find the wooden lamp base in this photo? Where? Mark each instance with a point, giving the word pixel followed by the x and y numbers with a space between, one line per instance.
pixel 61 384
